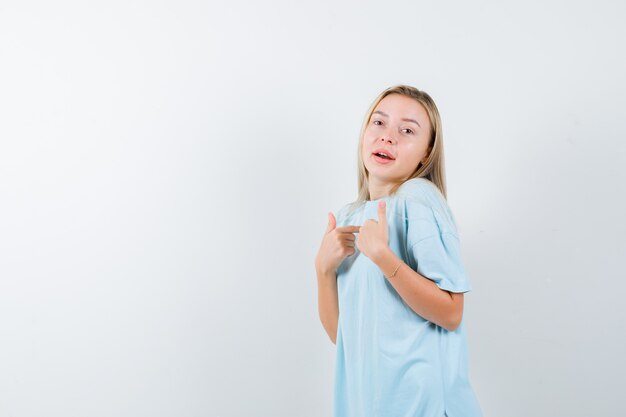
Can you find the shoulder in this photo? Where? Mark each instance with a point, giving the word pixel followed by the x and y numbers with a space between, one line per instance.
pixel 420 196
pixel 420 190
pixel 345 212
pixel 423 200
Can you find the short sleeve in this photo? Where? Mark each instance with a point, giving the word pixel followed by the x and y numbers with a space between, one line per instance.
pixel 433 245
pixel 438 258
pixel 421 221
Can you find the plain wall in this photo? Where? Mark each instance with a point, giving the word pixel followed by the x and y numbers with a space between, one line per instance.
pixel 166 170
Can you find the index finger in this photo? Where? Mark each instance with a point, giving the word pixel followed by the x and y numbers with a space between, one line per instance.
pixel 348 229
pixel 382 212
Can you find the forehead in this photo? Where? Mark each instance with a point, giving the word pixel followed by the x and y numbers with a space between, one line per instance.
pixel 400 106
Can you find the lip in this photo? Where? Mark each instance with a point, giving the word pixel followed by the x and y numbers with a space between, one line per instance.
pixel 382 161
pixel 383 150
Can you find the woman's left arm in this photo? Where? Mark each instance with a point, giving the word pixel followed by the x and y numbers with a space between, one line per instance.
pixel 434 304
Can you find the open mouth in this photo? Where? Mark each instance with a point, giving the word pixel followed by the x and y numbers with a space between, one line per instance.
pixel 383 155
pixel 382 158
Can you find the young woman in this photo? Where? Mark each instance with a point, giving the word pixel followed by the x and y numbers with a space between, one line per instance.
pixel 390 274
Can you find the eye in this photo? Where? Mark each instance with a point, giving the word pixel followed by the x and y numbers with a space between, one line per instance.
pixel 376 121
pixel 410 130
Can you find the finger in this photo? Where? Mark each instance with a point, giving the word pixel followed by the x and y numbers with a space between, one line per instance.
pixel 349 229
pixel 382 213
pixel 347 237
pixel 348 242
pixel 332 222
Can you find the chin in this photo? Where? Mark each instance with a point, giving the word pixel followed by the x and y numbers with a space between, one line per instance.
pixel 383 171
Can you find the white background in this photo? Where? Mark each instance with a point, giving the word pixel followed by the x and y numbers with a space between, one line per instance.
pixel 166 170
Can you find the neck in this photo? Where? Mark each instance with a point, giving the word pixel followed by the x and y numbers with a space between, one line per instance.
pixel 378 188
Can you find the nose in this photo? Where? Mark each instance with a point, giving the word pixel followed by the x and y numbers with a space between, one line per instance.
pixel 387 135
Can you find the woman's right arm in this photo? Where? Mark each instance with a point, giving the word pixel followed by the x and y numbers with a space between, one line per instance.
pixel 337 244
pixel 328 302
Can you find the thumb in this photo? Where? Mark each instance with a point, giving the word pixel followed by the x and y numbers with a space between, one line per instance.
pixel 382 212
pixel 332 222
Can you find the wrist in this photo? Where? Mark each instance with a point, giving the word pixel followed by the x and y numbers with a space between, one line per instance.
pixel 325 273
pixel 381 254
pixel 388 262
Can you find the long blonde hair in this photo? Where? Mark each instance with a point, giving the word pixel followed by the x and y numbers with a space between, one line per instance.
pixel 433 169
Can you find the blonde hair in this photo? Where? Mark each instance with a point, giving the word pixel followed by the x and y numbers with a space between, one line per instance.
pixel 433 168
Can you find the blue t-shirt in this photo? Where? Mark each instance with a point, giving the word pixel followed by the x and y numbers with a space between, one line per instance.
pixel 390 361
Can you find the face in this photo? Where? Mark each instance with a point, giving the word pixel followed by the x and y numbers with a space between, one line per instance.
pixel 400 126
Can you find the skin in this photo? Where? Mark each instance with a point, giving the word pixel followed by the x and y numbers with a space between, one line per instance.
pixel 409 144
pixel 439 306
pixel 407 141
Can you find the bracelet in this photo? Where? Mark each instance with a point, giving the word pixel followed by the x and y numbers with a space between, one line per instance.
pixel 394 272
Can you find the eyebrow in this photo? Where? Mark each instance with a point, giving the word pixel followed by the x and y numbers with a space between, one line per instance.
pixel 405 119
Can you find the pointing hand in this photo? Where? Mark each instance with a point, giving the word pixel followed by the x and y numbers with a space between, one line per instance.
pixel 337 244
pixel 374 235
